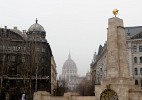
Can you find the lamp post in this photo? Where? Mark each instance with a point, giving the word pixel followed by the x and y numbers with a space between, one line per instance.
pixel 36 78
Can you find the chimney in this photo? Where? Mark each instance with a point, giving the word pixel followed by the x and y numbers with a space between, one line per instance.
pixel 24 31
pixel 15 28
pixel 5 27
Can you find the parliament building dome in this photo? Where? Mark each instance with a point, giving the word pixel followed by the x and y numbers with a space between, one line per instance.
pixel 69 73
pixel 69 63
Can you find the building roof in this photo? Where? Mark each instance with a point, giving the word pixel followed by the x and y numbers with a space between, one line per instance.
pixel 16 30
pixel 131 31
pixel 36 27
pixel 137 36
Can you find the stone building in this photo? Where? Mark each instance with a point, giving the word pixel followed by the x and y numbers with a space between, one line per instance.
pixel 98 65
pixel 25 62
pixel 134 46
pixel 69 74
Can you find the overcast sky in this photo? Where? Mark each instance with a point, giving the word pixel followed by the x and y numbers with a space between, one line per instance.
pixel 78 26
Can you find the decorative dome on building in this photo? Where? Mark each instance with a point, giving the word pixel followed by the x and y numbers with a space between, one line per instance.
pixel 36 27
pixel 69 63
pixel 36 33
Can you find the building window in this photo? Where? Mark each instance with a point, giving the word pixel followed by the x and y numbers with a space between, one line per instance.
pixel 43 50
pixel 101 69
pixel 128 34
pixel 134 48
pixel 136 82
pixel 141 71
pixel 13 58
pixel 14 48
pixel 135 59
pixel 37 49
pixel 9 48
pixel 136 71
pixel 140 48
pixel 1 47
pixel 23 59
pixel 140 59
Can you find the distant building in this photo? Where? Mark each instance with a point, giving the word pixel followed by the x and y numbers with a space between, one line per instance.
pixel 26 62
pixel 133 37
pixel 69 74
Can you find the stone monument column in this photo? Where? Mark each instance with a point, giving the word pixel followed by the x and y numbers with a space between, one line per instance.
pixel 118 84
pixel 117 57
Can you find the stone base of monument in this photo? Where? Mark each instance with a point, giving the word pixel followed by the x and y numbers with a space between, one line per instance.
pixel 118 89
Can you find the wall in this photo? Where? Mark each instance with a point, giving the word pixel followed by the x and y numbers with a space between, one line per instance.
pixel 83 98
pixel 42 95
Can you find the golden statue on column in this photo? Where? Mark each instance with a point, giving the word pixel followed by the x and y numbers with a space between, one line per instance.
pixel 115 12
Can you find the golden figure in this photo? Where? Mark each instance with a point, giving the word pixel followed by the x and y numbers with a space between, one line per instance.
pixel 115 12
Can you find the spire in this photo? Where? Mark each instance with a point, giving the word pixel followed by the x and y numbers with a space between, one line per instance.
pixel 69 56
pixel 94 57
pixel 36 20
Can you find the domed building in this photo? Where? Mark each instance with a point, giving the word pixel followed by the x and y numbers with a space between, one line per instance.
pixel 69 74
pixel 26 62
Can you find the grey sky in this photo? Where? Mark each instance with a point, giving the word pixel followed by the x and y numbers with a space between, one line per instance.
pixel 75 25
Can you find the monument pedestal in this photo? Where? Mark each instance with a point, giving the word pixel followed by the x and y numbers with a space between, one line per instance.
pixel 123 87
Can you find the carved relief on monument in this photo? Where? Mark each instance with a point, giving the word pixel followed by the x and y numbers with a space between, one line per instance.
pixel 108 94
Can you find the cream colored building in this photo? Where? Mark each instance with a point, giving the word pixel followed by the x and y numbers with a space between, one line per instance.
pixel 53 76
pixel 133 37
pixel 98 66
pixel 134 46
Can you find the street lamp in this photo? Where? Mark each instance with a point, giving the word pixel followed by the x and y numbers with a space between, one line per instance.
pixel 36 78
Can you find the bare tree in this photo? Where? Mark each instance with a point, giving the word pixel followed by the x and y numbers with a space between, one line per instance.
pixel 84 88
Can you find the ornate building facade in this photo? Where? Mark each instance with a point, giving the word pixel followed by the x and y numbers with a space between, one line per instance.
pixel 133 37
pixel 26 62
pixel 69 74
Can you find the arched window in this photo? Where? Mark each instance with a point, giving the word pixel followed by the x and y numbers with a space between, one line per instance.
pixel 136 82
pixel 101 69
pixel 140 59
pixel 135 59
pixel 141 71
pixel 136 71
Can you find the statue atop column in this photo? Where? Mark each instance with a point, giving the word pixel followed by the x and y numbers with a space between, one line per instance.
pixel 115 12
